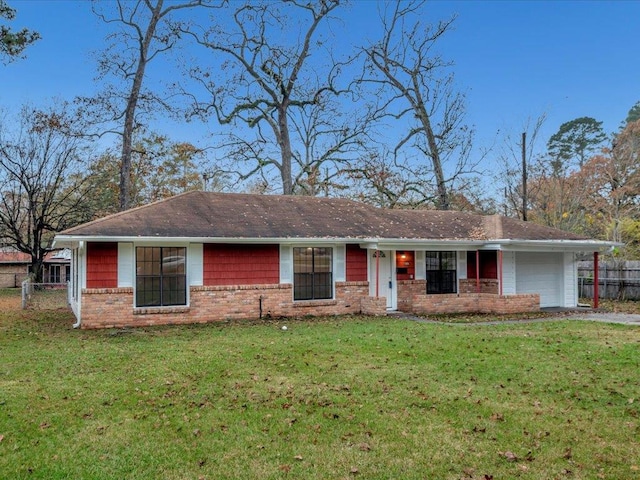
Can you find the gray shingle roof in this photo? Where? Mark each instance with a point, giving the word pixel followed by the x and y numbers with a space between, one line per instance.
pixel 228 215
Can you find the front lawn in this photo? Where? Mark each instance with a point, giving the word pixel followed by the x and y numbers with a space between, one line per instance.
pixel 353 397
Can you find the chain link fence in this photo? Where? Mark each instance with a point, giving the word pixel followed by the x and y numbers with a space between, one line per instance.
pixel 44 296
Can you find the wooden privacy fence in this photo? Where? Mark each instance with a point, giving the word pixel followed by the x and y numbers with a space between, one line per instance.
pixel 616 279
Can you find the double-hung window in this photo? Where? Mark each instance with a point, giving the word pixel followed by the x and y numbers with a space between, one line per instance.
pixel 161 276
pixel 312 273
pixel 441 272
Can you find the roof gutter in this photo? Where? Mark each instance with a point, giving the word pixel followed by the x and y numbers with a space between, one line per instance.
pixel 369 243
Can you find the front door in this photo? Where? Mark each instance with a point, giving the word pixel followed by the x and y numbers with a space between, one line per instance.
pixel 385 280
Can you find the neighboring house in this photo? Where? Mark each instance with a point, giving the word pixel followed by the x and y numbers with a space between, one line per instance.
pixel 14 267
pixel 57 266
pixel 203 257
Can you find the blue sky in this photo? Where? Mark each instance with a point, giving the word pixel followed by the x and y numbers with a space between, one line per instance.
pixel 516 59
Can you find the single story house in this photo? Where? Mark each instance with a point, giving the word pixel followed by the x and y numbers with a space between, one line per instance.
pixel 205 257
pixel 14 267
pixel 57 266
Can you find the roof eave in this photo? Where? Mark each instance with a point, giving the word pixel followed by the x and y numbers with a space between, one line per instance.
pixel 370 243
pixel 564 245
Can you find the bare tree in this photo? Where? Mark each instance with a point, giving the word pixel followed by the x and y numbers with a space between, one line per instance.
pixel 282 107
pixel 416 89
pixel 382 179
pixel 41 191
pixel 145 32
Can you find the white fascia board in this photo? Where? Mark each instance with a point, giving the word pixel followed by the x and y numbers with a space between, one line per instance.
pixel 558 245
pixel 63 240
pixel 367 243
pixel 62 243
pixel 421 244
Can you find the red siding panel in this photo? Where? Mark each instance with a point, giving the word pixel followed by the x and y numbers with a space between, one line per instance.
pixel 241 264
pixel 102 265
pixel 356 264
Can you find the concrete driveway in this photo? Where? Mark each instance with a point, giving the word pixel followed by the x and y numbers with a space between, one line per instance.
pixel 605 317
pixel 563 314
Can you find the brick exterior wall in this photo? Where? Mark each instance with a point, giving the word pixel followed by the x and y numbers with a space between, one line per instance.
pixel 487 285
pixel 113 307
pixel 412 298
pixel 12 275
pixel 374 306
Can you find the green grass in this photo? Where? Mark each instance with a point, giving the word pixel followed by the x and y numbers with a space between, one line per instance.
pixel 350 397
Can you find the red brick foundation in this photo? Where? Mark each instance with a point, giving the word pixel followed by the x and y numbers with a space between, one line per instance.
pixel 113 307
pixel 487 285
pixel 412 298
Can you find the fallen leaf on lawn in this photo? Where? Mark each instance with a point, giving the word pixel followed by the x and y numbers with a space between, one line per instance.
pixel 365 447
pixel 497 417
pixel 44 425
pixel 1 437
pixel 509 456
pixel 298 457
pixel 354 471
pixel 285 468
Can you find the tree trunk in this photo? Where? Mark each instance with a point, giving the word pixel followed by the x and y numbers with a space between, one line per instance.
pixel 441 185
pixel 285 151
pixel 130 112
pixel 35 269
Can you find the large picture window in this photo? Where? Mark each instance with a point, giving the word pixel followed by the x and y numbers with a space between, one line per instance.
pixel 160 276
pixel 312 273
pixel 441 272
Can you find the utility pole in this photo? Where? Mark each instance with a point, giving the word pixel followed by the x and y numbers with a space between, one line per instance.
pixel 524 176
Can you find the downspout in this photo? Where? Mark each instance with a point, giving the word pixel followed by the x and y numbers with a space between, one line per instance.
pixel 76 275
pixel 500 271
pixel 477 271
pixel 596 281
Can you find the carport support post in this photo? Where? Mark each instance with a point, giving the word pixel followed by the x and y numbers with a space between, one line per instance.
pixel 377 273
pixel 596 281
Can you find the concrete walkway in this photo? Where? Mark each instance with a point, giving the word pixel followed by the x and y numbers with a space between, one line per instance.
pixel 588 315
